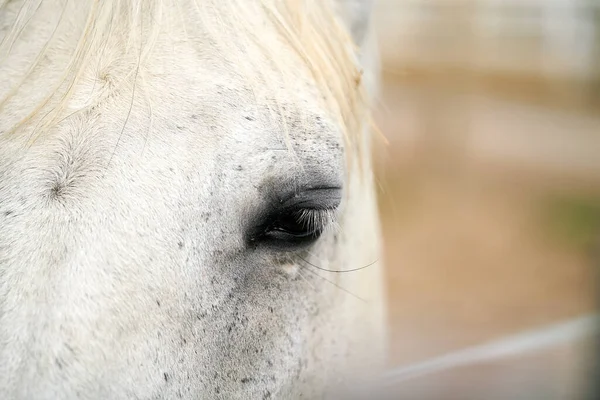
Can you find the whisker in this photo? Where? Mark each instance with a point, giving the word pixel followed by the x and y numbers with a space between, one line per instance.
pixel 338 286
pixel 339 271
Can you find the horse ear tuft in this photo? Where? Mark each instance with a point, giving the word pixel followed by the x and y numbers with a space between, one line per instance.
pixel 356 14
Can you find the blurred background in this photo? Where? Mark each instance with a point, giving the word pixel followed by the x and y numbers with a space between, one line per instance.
pixel 490 191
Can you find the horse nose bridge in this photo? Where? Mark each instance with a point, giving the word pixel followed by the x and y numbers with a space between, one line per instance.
pixel 39 352
pixel 49 318
pixel 61 329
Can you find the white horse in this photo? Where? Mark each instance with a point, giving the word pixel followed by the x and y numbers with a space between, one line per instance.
pixel 181 183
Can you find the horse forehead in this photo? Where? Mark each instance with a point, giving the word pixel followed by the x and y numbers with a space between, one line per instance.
pixel 203 107
pixel 212 108
pixel 214 84
pixel 204 87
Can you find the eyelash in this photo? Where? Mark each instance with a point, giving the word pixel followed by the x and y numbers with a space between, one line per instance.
pixel 314 220
pixel 297 228
pixel 297 221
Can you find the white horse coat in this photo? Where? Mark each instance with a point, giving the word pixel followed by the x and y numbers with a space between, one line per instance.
pixel 178 179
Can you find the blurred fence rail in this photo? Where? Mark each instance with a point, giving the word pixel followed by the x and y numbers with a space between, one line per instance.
pixel 538 50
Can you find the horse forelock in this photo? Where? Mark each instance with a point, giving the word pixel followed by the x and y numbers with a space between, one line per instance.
pixel 90 34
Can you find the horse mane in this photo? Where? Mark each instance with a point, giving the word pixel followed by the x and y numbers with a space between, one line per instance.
pixel 310 28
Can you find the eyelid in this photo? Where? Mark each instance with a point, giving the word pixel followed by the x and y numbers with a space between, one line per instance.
pixel 318 199
pixel 313 223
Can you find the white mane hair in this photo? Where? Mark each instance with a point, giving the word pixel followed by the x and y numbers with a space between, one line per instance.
pixel 114 38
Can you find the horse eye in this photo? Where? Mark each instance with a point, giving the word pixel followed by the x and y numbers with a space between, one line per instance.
pixel 300 226
pixel 298 221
